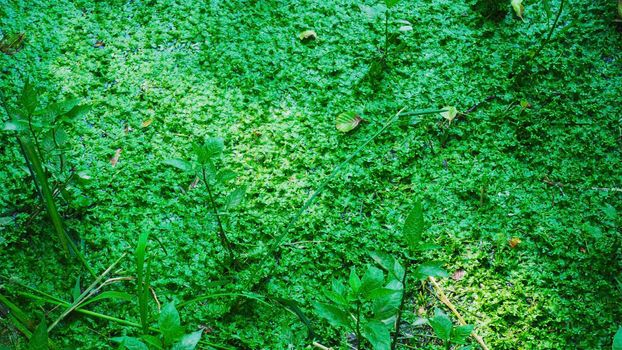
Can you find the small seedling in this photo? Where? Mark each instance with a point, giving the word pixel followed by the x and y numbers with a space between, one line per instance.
pixel 40 134
pixel 172 335
pixel 446 331
pixel 204 167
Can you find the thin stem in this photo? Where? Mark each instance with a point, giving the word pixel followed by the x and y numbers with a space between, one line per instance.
pixel 386 33
pixel 359 338
pixel 400 310
pixel 221 231
pixel 550 34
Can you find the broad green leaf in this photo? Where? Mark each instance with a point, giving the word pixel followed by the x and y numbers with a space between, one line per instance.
pixel 430 269
pixel 384 260
pixel 29 99
pixel 225 176
pixel 413 227
pixel 460 334
pixel 333 314
pixel 377 334
pixel 441 324
pixel 210 149
pixel 339 288
pixel 188 341
pixel 170 323
pixel 152 341
pixel 336 298
pixel 347 121
pixel 449 113
pixel 391 3
pixel 385 307
pixel 130 343
pixel 354 281
pixel 179 164
pixel 235 198
pixel 39 338
pixel 518 7
pixel 617 340
pixel 372 279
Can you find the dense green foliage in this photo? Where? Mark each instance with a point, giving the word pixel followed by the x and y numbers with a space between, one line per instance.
pixel 521 184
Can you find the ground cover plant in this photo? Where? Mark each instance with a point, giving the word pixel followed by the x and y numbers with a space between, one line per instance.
pixel 258 174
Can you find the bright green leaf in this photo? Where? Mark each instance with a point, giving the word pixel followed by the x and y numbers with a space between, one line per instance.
pixel 170 323
pixel 372 279
pixel 235 198
pixel 377 334
pixel 617 340
pixel 450 113
pixel 430 269
pixel 413 227
pixel 333 314
pixel 441 324
pixel 354 281
pixel 179 164
pixel 460 334
pixel 130 343
pixel 39 338
pixel 347 121
pixel 391 3
pixel 188 341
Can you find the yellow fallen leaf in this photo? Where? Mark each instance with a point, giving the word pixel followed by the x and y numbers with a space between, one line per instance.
pixel 513 242
pixel 518 7
pixel 146 123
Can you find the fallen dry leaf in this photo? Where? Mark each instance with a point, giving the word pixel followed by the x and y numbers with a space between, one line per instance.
pixel 146 123
pixel 458 275
pixel 514 242
pixel 115 159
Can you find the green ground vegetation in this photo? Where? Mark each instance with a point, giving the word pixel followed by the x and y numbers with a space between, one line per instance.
pixel 517 165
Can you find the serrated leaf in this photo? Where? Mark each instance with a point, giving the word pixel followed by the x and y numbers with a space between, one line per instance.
pixel 460 334
pixel 347 121
pixel 179 164
pixel 39 338
pixel 518 7
pixel 441 324
pixel 377 334
pixel 210 149
pixel 413 226
pixel 235 198
pixel 170 323
pixel 188 341
pixel 130 343
pixel 617 340
pixel 333 314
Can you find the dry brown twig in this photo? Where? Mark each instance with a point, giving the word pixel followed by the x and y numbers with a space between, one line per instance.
pixel 443 298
